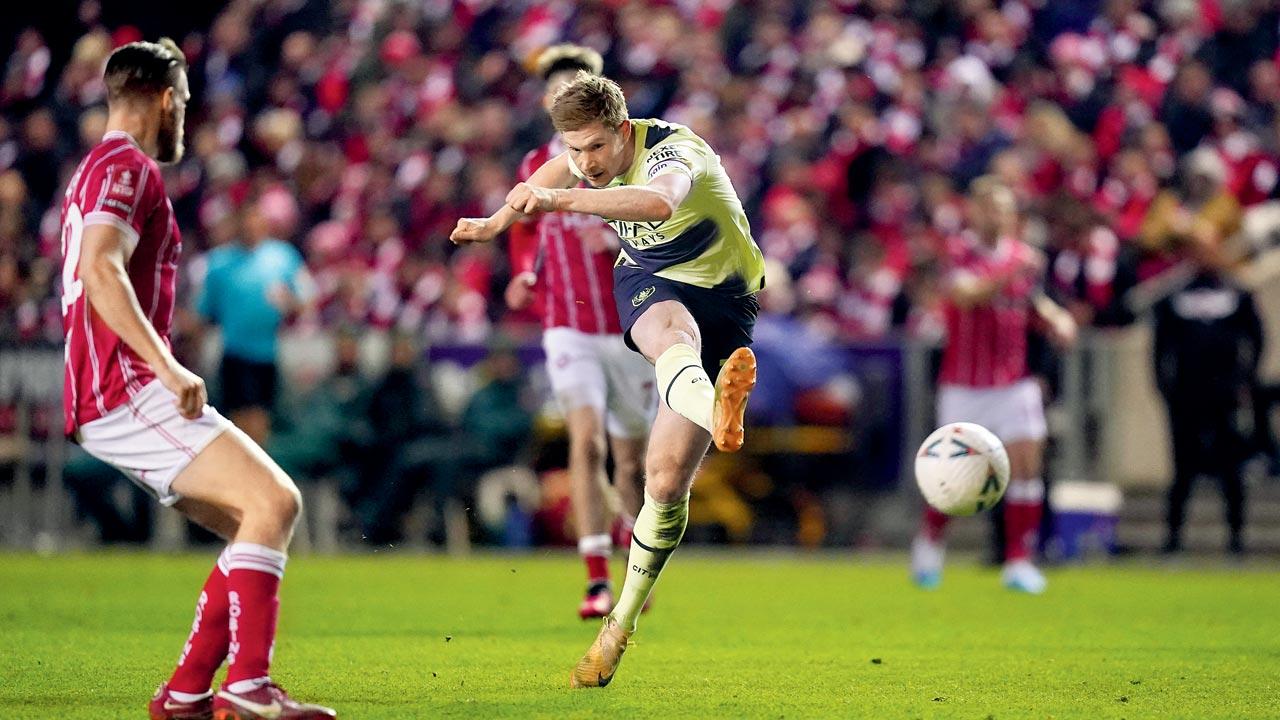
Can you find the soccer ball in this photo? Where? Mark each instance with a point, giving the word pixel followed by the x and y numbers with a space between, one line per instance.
pixel 962 469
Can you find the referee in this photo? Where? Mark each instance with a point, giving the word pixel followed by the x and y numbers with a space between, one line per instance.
pixel 251 286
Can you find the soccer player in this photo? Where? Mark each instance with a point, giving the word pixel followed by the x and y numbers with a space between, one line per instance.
pixel 992 287
pixel 602 387
pixel 685 284
pixel 131 404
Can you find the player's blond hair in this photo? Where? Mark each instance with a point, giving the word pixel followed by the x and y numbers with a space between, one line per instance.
pixel 588 99
pixel 567 56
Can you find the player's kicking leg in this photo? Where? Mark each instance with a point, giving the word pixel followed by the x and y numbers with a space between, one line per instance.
pixel 692 413
pixel 234 488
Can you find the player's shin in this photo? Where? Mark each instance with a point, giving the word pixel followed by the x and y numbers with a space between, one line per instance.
pixel 658 530
pixel 1024 503
pixel 684 384
pixel 595 551
pixel 206 647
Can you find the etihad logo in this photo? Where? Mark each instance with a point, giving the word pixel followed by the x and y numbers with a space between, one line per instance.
pixel 643 295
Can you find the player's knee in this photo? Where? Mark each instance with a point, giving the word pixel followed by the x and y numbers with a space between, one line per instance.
pixel 289 505
pixel 671 325
pixel 588 449
pixel 625 470
pixel 281 502
pixel 665 490
pixel 682 333
pixel 666 478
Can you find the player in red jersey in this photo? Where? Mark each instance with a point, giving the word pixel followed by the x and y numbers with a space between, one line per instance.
pixel 993 297
pixel 130 403
pixel 566 261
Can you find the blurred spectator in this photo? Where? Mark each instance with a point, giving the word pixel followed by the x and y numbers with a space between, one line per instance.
pixel 1085 271
pixel 1186 107
pixel 97 489
pixel 493 431
pixel 402 409
pixel 322 427
pixel 368 128
pixel 1199 216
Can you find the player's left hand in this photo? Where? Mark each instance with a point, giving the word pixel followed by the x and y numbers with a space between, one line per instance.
pixel 519 293
pixel 530 199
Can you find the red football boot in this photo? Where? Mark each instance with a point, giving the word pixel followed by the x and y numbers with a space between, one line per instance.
pixel 269 702
pixel 163 706
pixel 596 604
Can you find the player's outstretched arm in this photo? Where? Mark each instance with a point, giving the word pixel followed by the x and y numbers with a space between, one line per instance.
pixel 1062 327
pixel 655 202
pixel 967 288
pixel 110 294
pixel 554 174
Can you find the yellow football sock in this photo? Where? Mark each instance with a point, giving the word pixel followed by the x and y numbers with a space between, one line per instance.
pixel 659 528
pixel 684 384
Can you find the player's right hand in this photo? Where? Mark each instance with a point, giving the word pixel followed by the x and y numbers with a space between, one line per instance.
pixel 187 386
pixel 469 230
pixel 519 292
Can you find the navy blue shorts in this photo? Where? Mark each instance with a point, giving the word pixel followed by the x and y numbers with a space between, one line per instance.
pixel 725 319
pixel 246 384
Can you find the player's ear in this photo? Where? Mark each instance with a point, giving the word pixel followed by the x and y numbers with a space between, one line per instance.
pixel 167 99
pixel 624 129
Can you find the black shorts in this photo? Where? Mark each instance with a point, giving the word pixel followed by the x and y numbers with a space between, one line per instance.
pixel 246 384
pixel 725 318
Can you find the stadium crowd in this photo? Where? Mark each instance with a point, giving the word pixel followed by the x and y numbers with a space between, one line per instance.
pixel 363 130
pixel 1133 133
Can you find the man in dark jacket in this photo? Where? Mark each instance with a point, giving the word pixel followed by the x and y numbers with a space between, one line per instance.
pixel 1207 346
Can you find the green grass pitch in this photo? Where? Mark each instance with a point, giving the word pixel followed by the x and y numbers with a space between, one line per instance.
pixel 737 635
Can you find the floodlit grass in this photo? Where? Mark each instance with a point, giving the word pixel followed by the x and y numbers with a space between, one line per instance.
pixel 730 636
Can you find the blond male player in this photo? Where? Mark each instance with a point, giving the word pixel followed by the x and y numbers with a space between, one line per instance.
pixel 684 284
pixel 604 389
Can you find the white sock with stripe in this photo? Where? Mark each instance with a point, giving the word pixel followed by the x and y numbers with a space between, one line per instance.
pixel 684 384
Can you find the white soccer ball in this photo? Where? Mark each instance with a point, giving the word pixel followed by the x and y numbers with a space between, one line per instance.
pixel 962 469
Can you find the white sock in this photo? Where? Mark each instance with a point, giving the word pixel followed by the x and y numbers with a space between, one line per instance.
pixel 659 528
pixel 251 556
pixel 684 385
pixel 246 686
pixel 600 544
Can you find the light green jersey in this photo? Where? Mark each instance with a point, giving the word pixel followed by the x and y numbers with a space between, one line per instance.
pixel 707 241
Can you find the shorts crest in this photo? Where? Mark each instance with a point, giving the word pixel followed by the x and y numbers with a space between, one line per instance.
pixel 643 295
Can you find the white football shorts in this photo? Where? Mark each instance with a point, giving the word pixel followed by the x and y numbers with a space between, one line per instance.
pixel 601 372
pixel 148 441
pixel 1013 412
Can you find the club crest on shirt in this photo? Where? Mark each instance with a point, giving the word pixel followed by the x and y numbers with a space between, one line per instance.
pixel 123 185
pixel 643 295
